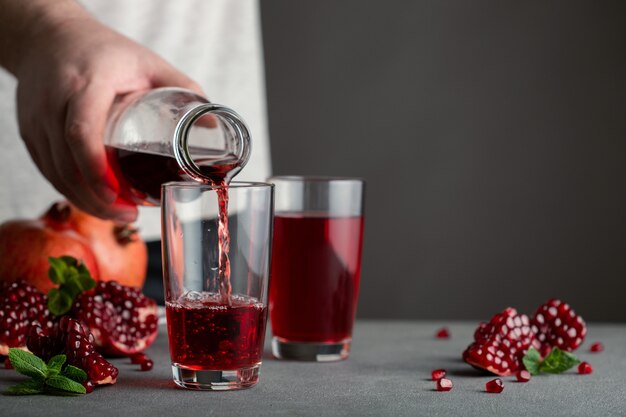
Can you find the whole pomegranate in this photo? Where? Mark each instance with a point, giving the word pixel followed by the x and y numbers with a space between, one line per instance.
pixel 25 246
pixel 120 253
pixel 109 251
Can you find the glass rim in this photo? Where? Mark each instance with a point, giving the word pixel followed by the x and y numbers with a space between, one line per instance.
pixel 315 178
pixel 206 186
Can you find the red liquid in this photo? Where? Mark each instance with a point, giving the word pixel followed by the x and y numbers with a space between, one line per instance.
pixel 206 334
pixel 316 268
pixel 141 173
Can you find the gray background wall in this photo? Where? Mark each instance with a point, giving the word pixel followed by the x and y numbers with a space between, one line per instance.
pixel 492 136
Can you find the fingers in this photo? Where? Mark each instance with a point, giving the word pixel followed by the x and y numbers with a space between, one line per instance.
pixel 164 75
pixel 79 156
pixel 168 76
pixel 84 128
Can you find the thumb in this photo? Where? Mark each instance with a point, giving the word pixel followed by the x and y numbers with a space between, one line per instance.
pixel 166 75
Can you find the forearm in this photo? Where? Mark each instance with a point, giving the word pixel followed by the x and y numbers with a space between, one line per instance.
pixel 22 21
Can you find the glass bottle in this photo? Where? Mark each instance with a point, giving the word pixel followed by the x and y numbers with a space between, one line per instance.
pixel 172 134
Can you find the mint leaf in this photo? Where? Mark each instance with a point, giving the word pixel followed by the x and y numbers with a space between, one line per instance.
pixel 29 387
pixel 558 361
pixel 55 364
pixel 74 373
pixel 28 364
pixel 73 278
pixel 56 270
pixel 532 361
pixel 63 383
pixel 78 281
pixel 59 302
pixel 85 281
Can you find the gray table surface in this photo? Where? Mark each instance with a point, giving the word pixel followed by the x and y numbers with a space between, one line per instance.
pixel 387 374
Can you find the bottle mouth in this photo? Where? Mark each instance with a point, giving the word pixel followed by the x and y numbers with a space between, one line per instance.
pixel 234 127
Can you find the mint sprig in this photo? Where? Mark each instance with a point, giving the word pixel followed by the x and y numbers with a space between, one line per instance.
pixel 46 378
pixel 73 278
pixel 557 361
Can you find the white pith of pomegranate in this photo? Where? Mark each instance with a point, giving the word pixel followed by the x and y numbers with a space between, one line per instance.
pixel 122 319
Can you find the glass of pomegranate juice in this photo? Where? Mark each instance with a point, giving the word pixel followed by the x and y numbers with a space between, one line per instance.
pixel 216 249
pixel 316 266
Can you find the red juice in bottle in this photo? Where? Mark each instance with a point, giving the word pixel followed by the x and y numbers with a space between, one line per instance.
pixel 141 170
pixel 316 268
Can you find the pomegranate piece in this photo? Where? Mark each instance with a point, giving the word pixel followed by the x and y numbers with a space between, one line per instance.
pixel 495 386
pixel 596 347
pixel 556 324
pixel 444 384
pixel 585 368
pixel 69 337
pixel 442 333
pixel 122 319
pixel 523 376
pixel 21 306
pixel 7 364
pixel 438 374
pixel 500 345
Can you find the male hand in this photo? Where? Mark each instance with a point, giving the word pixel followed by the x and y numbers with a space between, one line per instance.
pixel 69 73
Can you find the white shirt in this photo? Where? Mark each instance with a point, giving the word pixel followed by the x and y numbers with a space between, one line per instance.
pixel 217 43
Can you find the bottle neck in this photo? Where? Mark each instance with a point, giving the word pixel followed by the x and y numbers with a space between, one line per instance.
pixel 233 125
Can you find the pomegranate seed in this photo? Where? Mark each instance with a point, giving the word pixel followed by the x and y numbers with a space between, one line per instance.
pixel 585 368
pixel 89 386
pixel 523 376
pixel 7 364
pixel 596 347
pixel 138 358
pixel 438 374
pixel 442 333
pixel 147 365
pixel 495 386
pixel 444 384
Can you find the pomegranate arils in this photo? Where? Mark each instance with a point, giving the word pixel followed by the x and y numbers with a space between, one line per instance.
pixel 596 347
pixel 122 319
pixel 7 364
pixel 72 339
pixel 556 324
pixel 438 374
pixel 495 386
pixel 21 306
pixel 500 345
pixel 147 365
pixel 523 376
pixel 585 368
pixel 444 384
pixel 89 386
pixel 143 360
pixel 442 333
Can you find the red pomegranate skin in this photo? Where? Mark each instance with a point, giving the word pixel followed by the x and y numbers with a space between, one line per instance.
pixel 120 253
pixel 25 246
